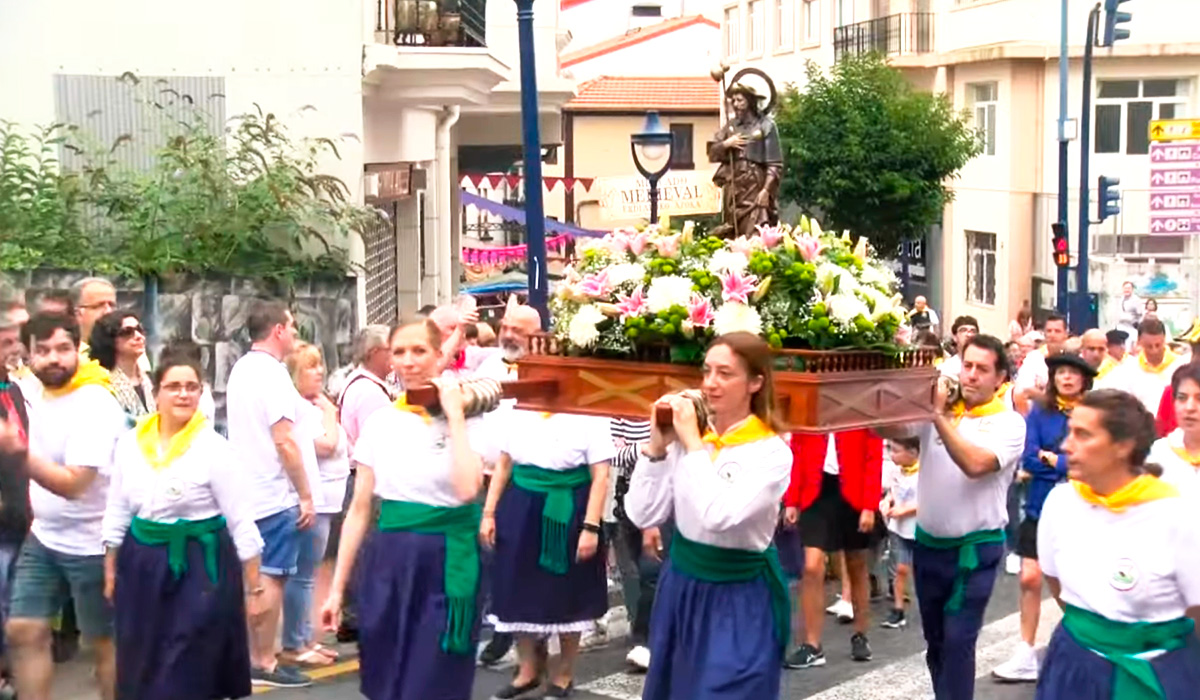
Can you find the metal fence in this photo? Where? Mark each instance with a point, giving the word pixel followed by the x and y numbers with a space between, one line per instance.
pixel 381 281
pixel 432 22
pixel 893 35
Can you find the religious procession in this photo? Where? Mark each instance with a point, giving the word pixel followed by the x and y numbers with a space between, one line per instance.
pixel 726 453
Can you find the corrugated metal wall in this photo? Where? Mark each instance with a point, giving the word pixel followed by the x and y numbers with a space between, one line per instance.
pixel 108 108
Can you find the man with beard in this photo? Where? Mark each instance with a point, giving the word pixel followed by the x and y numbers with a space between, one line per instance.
pixel 73 432
pixel 751 159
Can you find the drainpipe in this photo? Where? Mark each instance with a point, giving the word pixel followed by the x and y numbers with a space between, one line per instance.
pixel 445 251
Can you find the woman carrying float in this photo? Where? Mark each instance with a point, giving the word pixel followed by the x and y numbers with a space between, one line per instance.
pixel 181 543
pixel 721 618
pixel 418 582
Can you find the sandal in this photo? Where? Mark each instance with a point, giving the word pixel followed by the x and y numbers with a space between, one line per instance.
pixel 311 658
pixel 331 654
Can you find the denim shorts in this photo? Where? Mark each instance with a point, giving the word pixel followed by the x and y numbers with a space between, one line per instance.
pixel 901 549
pixel 281 542
pixel 43 579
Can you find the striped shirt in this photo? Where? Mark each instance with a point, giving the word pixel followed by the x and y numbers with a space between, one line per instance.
pixel 628 436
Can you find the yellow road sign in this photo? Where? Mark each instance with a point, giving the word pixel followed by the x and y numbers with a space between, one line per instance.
pixel 1174 129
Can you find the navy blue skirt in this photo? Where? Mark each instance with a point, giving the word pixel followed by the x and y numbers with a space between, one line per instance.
pixel 400 596
pixel 712 641
pixel 523 593
pixel 791 550
pixel 180 639
pixel 1071 672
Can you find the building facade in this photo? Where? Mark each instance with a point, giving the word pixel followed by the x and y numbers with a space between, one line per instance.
pixel 998 61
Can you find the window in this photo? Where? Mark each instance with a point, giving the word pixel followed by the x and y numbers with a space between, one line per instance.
pixel 732 44
pixel 646 10
pixel 681 148
pixel 754 27
pixel 982 98
pixel 812 21
pixel 785 27
pixel 845 12
pixel 1125 108
pixel 981 267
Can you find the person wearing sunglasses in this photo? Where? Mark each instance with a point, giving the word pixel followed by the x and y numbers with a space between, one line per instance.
pixel 118 343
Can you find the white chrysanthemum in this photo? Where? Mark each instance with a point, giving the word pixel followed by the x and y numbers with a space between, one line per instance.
pixel 844 308
pixel 668 291
pixel 727 261
pixel 626 272
pixel 877 276
pixel 582 329
pixel 734 317
pixel 830 275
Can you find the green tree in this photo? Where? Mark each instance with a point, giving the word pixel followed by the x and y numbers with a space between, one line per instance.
pixel 870 153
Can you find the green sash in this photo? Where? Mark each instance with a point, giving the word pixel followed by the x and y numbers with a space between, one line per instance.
pixel 723 565
pixel 461 576
pixel 174 537
pixel 1134 678
pixel 558 486
pixel 968 557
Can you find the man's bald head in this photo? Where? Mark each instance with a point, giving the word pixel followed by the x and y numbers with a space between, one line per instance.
pixel 1093 346
pixel 518 324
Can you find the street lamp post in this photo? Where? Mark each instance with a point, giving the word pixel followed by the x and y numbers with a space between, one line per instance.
pixel 653 143
pixel 535 218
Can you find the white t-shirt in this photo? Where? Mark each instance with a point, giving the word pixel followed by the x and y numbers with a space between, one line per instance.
pixel 949 504
pixel 412 459
pixel 558 442
pixel 1147 386
pixel 258 395
pixel 80 429
pixel 903 489
pixel 310 425
pixel 952 367
pixel 1141 565
pixel 831 456
pixel 1034 371
pixel 1176 470
pixel 335 472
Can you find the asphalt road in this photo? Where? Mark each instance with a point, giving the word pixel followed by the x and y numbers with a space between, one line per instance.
pixel 897 671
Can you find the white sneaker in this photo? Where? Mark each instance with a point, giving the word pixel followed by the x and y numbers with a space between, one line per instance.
pixel 842 610
pixel 1012 565
pixel 639 656
pixel 1021 668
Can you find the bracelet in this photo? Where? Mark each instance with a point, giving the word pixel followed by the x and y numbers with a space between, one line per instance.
pixel 592 528
pixel 653 458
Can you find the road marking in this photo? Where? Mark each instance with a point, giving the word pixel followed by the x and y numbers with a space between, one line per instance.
pixel 905 679
pixel 321 673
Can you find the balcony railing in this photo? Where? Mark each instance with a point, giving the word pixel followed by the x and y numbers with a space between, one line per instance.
pixel 431 22
pixel 894 35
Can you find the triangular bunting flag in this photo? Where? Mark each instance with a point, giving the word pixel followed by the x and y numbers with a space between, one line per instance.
pixel 494 180
pixel 550 182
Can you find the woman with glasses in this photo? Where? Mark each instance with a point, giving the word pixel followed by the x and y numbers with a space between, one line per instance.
pixel 182 562
pixel 118 343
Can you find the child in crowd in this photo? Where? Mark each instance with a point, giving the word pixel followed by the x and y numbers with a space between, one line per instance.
pixel 900 508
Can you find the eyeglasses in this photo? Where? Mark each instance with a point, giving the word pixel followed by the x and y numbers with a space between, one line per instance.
pixel 99 305
pixel 128 331
pixel 182 388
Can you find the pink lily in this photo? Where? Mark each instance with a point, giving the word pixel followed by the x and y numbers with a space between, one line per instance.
pixel 596 286
pixel 700 312
pixel 616 242
pixel 631 305
pixel 667 246
pixel 810 247
pixel 637 242
pixel 771 235
pixel 737 287
pixel 744 245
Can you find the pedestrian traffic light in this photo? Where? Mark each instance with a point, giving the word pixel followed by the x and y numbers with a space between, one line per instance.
pixel 1112 18
pixel 1110 197
pixel 1062 246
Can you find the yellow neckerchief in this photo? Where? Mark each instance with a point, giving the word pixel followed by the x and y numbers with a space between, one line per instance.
pixel 1066 405
pixel 88 373
pixel 1106 366
pixel 991 408
pixel 1168 358
pixel 1181 451
pixel 1143 489
pixel 150 442
pixel 911 469
pixel 403 404
pixel 750 430
pixel 937 361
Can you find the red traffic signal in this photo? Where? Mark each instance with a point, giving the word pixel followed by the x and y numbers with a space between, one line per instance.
pixel 1062 245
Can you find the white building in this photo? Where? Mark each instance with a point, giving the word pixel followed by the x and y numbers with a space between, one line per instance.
pixel 408 89
pixel 593 21
pixel 998 59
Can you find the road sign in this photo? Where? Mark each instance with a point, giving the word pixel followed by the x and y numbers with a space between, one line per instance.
pixel 1174 129
pixel 1175 185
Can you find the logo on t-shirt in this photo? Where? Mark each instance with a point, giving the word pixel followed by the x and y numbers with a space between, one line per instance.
pixel 1124 575
pixel 727 471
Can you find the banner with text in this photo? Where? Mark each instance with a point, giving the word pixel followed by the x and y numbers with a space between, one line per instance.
pixel 680 193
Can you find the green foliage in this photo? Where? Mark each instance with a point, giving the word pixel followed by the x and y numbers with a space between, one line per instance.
pixel 871 153
pixel 250 202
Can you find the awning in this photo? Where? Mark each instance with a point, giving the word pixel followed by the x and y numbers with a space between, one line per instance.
pixel 518 215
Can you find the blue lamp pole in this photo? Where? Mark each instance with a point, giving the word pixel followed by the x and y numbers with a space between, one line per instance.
pixel 535 218
pixel 653 142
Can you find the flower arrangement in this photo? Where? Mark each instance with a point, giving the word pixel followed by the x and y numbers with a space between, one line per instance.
pixel 649 293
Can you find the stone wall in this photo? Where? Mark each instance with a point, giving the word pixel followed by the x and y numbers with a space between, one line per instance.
pixel 211 312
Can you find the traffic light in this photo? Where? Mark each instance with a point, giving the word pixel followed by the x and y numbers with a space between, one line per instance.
pixel 1062 246
pixel 1112 18
pixel 1110 197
